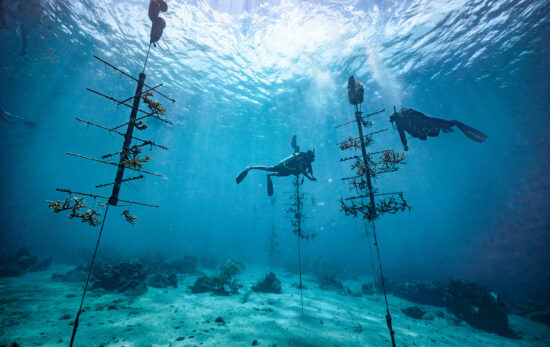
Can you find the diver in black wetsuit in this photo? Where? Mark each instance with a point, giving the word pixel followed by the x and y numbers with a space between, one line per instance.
pixel 28 12
pixel 421 126
pixel 6 117
pixel 4 11
pixel 297 164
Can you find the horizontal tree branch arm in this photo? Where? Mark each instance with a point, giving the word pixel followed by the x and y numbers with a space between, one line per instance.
pixel 124 180
pixel 119 133
pixel 130 76
pixel 103 197
pixel 114 164
pixel 365 116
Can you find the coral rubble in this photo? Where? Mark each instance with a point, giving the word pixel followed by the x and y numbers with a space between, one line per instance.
pixel 20 263
pixel 269 284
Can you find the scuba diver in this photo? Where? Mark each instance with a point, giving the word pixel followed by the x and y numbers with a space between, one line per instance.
pixel 297 164
pixel 421 126
pixel 6 117
pixel 28 12
pixel 3 15
pixel 155 7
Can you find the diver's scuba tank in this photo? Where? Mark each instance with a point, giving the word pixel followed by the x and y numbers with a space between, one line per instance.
pixel 355 91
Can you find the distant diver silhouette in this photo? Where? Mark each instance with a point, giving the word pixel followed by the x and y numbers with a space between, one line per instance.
pixel 155 7
pixel 421 126
pixel 28 13
pixel 4 11
pixel 297 164
pixel 6 117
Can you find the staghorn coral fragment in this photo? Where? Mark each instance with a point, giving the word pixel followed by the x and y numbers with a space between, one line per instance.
pixel 129 218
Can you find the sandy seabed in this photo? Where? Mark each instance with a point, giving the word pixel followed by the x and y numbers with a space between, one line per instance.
pixel 37 311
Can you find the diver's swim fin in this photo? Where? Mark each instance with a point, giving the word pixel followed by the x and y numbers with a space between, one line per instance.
pixel 295 147
pixel 241 176
pixel 472 133
pixel 28 123
pixel 269 186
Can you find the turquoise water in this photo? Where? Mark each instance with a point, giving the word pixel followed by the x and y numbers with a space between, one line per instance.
pixel 247 75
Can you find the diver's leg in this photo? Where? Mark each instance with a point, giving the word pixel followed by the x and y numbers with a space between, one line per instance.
pixel 264 168
pixel 472 133
pixel 434 132
pixel 270 184
pixel 432 122
pixel 3 19
pixel 27 123
pixel 6 12
pixel 243 174
pixel 25 30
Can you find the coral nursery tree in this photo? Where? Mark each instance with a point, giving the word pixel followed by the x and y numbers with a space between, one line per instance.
pixel 294 211
pixel 367 202
pixel 130 156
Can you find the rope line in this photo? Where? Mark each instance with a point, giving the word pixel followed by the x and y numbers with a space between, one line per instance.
pixel 299 212
pixel 371 260
pixel 75 327
pixel 300 268
pixel 388 316
pixel 146 57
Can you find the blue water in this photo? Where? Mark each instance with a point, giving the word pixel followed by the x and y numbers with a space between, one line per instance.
pixel 247 75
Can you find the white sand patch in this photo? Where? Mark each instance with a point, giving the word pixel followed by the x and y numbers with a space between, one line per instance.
pixel 33 307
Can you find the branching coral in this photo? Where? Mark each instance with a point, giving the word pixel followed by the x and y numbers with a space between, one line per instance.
pixel 130 218
pixel 75 205
pixel 390 159
pixel 154 106
pixel 90 217
pixel 361 169
pixel 132 159
pixel 392 204
pixel 349 142
pixel 358 183
pixel 59 206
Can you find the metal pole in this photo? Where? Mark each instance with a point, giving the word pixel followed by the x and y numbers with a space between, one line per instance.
pixel 299 220
pixel 372 211
pixel 127 140
pixel 365 157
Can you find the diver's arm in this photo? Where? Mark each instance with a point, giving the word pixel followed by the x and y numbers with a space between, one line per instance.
pixel 6 117
pixel 310 170
pixel 10 119
pixel 311 178
pixel 403 137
